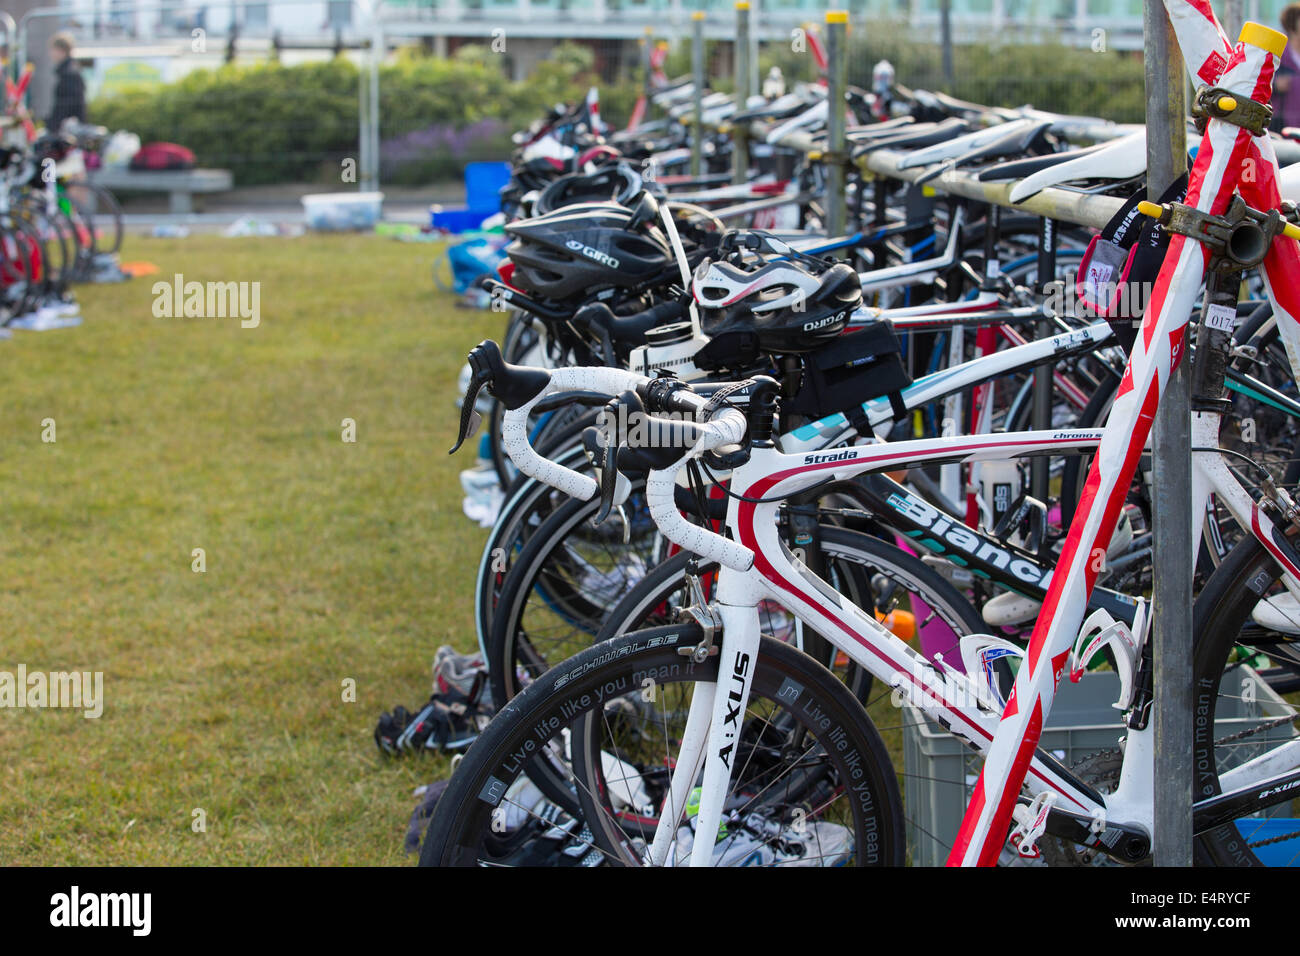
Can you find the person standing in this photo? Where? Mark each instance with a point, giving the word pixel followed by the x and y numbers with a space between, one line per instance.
pixel 69 87
pixel 1286 88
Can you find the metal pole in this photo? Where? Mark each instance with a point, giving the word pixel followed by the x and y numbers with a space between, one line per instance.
pixel 697 78
pixel 647 43
pixel 740 133
pixel 1234 15
pixel 376 56
pixel 837 25
pixel 945 39
pixel 363 127
pixel 1172 509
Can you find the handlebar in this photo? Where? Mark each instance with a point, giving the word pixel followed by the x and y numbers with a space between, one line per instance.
pixel 671 442
pixel 598 319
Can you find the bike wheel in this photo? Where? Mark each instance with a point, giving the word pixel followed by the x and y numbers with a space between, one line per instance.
pixel 528 503
pixel 803 791
pixel 1244 621
pixel 568 577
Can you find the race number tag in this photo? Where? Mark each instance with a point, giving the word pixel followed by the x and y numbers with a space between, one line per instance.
pixel 1221 317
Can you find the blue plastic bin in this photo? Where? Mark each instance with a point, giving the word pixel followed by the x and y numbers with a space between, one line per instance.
pixel 483 182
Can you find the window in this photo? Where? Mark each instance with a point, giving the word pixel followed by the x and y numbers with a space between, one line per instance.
pixel 256 16
pixel 340 14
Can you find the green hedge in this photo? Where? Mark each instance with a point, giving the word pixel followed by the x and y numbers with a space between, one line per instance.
pixel 274 124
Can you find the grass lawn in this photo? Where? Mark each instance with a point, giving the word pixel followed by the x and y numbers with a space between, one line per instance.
pixel 325 561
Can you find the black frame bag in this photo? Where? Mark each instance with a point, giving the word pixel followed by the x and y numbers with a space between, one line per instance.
pixel 852 369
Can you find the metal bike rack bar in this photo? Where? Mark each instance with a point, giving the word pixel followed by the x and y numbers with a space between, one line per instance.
pixel 697 78
pixel 1171 622
pixel 740 134
pixel 837 26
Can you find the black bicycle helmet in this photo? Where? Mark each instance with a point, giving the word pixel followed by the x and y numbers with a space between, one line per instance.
pixel 617 182
pixel 792 308
pixel 584 248
pixel 53 146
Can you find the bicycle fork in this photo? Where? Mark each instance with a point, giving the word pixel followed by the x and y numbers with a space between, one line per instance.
pixel 712 736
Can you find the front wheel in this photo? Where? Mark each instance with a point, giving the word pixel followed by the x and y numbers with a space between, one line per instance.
pixel 812 785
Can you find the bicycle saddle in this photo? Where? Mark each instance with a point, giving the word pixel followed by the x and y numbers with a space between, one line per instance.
pixel 948 105
pixel 915 137
pixel 783 107
pixel 875 130
pixel 1288 182
pixel 1016 142
pixel 1028 165
pixel 1121 159
pixel 959 145
pixel 814 115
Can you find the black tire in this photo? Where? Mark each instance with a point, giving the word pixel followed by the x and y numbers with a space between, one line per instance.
pixel 528 503
pixel 545 610
pixel 858 767
pixel 1225 631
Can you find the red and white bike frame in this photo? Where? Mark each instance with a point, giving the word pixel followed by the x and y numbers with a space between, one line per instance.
pixel 1229 158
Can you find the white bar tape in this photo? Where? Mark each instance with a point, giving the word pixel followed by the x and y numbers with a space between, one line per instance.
pixel 660 485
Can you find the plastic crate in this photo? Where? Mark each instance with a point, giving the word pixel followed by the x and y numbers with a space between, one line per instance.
pixel 341 211
pixel 940 771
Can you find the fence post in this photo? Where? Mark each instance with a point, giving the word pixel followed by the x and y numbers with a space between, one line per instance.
pixel 647 53
pixel 377 46
pixel 739 131
pixel 1234 15
pixel 837 25
pixel 945 41
pixel 363 127
pixel 1171 622
pixel 697 77
pixel 11 41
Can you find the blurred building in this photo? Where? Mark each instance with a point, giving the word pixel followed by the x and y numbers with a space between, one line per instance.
pixel 135 41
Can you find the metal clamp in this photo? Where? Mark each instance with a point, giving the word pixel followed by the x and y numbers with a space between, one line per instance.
pixel 1214 102
pixel 1238 240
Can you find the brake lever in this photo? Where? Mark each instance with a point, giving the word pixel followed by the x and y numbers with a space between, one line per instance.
pixel 512 385
pixel 470 419
pixel 603 456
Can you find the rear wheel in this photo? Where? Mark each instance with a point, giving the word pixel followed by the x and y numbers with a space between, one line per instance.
pixel 1246 625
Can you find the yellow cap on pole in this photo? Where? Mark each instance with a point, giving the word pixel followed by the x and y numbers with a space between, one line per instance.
pixel 1266 38
pixel 1152 209
pixel 697 15
pixel 1227 103
pixel 837 16
pixel 742 4
pixel 1291 231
